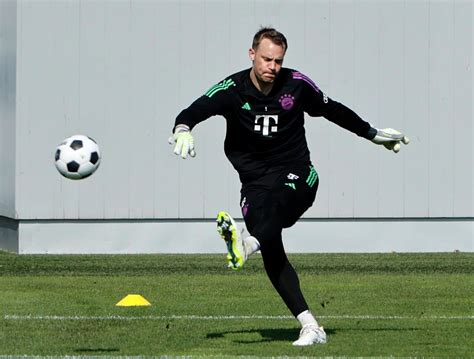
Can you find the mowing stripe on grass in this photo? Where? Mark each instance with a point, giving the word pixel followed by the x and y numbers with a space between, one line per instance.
pixel 229 317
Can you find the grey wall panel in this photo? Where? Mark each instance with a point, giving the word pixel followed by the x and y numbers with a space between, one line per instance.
pixel 441 108
pixel 93 92
pixel 190 64
pixel 463 116
pixel 47 102
pixel 292 26
pixel 118 112
pixel 390 78
pixel 342 88
pixel 220 188
pixel 417 109
pixel 121 71
pixel 143 117
pixel 8 58
pixel 315 41
pixel 228 54
pixel 62 96
pixel 469 68
pixel 166 166
pixel 367 103
pixel 266 12
pixel 242 25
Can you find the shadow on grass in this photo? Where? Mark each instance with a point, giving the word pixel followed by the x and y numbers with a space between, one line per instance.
pixel 288 334
pixel 96 350
pixel 266 335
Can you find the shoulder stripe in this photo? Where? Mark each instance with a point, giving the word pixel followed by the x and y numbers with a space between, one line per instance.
pixel 299 76
pixel 224 85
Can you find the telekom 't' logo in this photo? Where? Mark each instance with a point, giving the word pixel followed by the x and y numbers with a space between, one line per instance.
pixel 266 124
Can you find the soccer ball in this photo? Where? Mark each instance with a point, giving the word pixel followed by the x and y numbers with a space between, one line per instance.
pixel 77 157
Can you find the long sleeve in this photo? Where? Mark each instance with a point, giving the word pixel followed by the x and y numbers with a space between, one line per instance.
pixel 346 118
pixel 318 104
pixel 214 102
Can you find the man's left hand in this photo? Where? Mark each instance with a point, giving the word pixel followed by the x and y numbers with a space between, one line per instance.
pixel 390 138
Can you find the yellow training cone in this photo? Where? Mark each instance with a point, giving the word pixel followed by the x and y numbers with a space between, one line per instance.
pixel 133 300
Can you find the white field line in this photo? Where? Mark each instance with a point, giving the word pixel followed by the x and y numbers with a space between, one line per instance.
pixel 229 317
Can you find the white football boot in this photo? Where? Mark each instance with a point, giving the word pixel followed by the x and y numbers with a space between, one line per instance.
pixel 311 334
pixel 228 231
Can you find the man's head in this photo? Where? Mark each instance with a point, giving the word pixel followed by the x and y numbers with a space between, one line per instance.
pixel 267 53
pixel 269 33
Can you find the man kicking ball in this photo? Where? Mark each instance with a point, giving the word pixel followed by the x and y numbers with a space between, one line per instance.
pixel 264 108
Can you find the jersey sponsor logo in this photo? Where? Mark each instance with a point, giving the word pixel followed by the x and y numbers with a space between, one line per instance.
pixel 292 176
pixel 266 124
pixel 286 101
pixel 224 85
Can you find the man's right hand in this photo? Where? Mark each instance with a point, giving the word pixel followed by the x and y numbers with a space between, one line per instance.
pixel 184 141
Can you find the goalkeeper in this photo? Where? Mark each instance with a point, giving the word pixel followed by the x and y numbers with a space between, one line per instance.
pixel 265 141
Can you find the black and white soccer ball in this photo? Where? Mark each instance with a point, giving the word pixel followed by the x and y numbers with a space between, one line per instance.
pixel 77 157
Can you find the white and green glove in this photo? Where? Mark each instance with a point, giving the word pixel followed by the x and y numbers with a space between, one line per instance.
pixel 184 141
pixel 390 138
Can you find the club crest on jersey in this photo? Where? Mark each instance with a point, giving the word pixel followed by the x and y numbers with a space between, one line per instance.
pixel 287 101
pixel 266 124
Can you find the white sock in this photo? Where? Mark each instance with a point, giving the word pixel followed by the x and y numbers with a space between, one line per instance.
pixel 306 318
pixel 251 245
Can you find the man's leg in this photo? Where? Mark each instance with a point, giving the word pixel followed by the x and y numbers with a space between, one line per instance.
pixel 265 216
pixel 279 270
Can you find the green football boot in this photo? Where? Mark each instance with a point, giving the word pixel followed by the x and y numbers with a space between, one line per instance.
pixel 229 232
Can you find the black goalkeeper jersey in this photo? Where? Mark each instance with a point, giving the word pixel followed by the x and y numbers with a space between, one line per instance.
pixel 266 132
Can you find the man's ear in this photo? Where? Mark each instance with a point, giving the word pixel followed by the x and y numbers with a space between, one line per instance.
pixel 252 54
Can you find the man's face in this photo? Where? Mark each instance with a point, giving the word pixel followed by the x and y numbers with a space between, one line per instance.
pixel 267 60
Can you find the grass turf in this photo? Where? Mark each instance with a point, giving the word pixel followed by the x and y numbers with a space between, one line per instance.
pixel 372 305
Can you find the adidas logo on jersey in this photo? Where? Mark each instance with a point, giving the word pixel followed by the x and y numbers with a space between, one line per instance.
pixel 246 106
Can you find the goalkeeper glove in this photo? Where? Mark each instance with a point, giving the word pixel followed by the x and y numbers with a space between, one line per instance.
pixel 184 141
pixel 390 138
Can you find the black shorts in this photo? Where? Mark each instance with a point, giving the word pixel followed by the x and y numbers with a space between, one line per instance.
pixel 285 193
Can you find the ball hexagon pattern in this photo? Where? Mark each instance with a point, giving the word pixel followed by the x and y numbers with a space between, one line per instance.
pixel 77 157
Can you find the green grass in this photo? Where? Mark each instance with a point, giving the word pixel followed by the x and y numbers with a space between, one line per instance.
pixel 371 305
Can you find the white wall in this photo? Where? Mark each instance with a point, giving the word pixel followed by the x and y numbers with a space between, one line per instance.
pixel 120 71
